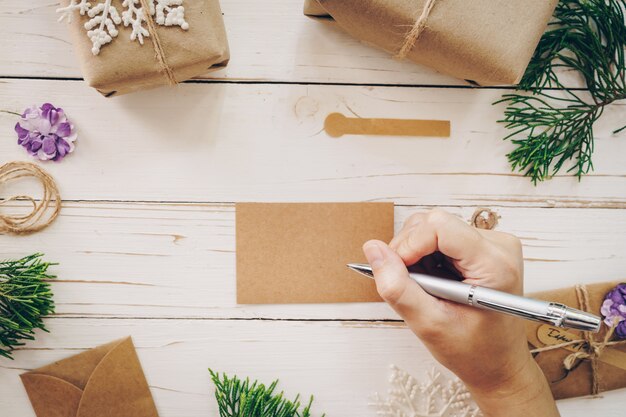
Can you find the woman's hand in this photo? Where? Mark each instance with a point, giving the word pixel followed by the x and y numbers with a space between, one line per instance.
pixel 487 350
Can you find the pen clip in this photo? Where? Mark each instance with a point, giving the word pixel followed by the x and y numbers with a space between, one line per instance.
pixel 553 317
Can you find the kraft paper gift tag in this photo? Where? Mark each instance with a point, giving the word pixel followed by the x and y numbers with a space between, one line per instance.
pixel 297 252
pixel 610 370
pixel 487 41
pixel 103 382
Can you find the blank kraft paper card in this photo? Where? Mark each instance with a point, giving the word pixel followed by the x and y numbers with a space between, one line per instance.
pixel 297 252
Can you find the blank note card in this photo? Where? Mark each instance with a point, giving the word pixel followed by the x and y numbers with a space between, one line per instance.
pixel 297 252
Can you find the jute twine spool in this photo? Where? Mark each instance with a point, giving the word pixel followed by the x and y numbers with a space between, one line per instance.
pixel 420 24
pixel 484 218
pixel 43 212
pixel 592 349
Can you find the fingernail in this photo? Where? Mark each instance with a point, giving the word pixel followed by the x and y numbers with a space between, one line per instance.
pixel 374 254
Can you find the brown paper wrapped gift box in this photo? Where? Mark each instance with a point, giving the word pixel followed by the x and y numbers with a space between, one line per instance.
pixel 610 370
pixel 124 66
pixel 489 42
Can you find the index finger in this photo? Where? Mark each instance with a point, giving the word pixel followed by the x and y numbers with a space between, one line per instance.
pixel 439 231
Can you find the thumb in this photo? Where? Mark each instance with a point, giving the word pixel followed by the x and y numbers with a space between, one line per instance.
pixel 406 297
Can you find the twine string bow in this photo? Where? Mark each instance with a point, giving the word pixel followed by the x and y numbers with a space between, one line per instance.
pixel 591 349
pixel 36 219
pixel 156 43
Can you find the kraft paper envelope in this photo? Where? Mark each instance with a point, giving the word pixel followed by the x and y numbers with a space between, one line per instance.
pixel 103 382
pixel 297 252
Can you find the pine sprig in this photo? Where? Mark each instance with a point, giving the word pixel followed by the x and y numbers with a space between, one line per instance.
pixel 549 129
pixel 25 298
pixel 242 398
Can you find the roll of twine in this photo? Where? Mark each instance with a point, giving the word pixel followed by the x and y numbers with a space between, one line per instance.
pixel 410 39
pixel 43 212
pixel 591 349
pixel 484 218
pixel 156 43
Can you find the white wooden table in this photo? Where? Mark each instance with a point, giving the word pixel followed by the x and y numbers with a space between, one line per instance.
pixel 146 239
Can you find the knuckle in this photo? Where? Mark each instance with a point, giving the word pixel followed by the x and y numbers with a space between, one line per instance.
pixel 437 217
pixel 413 219
pixel 410 243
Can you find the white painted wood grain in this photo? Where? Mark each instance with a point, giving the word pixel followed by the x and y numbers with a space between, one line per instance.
pixel 270 40
pixel 233 142
pixel 164 271
pixel 178 260
pixel 342 363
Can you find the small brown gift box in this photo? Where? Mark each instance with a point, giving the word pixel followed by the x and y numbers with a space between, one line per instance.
pixel 124 65
pixel 591 373
pixel 489 42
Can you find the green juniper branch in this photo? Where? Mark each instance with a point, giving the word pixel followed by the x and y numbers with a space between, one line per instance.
pixel 550 130
pixel 25 298
pixel 241 398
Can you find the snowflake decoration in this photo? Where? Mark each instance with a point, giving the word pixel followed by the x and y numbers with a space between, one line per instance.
pixel 435 397
pixel 104 18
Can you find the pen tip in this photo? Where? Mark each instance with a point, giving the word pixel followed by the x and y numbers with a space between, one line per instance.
pixel 363 269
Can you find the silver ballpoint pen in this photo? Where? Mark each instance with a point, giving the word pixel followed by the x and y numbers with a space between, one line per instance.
pixel 556 314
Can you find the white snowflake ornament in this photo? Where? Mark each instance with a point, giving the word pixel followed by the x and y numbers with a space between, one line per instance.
pixel 133 17
pixel 67 12
pixel 102 26
pixel 167 15
pixel 435 397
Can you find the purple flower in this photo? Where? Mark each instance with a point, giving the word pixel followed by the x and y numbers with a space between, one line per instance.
pixel 45 132
pixel 614 310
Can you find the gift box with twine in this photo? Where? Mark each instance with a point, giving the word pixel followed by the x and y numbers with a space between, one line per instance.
pixel 119 53
pixel 488 42
pixel 578 363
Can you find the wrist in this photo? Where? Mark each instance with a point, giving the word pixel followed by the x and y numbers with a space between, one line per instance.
pixel 525 393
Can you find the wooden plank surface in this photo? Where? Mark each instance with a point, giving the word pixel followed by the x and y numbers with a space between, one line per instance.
pixel 238 142
pixel 145 240
pixel 342 363
pixel 178 260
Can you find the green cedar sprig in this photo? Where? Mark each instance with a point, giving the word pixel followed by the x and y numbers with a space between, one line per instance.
pixel 241 398
pixel 25 298
pixel 553 128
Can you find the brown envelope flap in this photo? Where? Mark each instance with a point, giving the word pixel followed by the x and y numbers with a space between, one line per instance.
pixel 51 396
pixel 118 387
pixel 568 297
pixel 77 369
